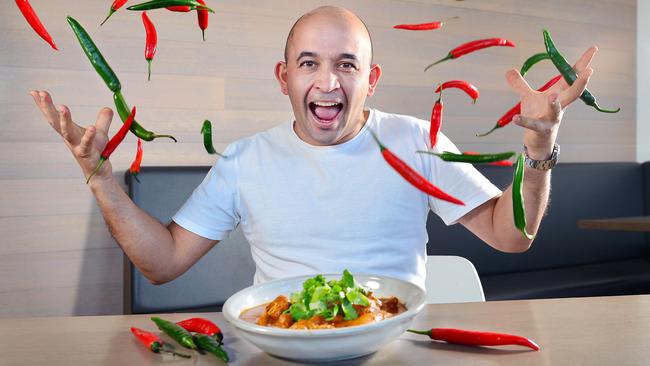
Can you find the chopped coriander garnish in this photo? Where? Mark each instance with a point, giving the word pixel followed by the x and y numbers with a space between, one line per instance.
pixel 328 298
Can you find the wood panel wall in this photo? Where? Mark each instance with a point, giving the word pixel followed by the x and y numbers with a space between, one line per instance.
pixel 57 257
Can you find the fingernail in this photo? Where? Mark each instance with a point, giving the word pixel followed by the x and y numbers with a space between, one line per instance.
pixel 61 109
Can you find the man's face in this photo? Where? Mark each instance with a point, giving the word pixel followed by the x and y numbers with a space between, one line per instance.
pixel 328 76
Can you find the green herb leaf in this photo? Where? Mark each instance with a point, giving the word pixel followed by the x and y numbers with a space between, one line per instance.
pixel 349 310
pixel 347 280
pixel 298 311
pixel 357 298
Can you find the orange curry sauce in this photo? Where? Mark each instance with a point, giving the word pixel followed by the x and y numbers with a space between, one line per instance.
pixel 272 314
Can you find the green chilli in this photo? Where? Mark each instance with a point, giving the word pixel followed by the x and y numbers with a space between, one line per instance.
pixel 518 208
pixel 211 345
pixel 467 158
pixel 158 4
pixel 124 110
pixel 532 60
pixel 96 59
pixel 570 74
pixel 206 131
pixel 178 333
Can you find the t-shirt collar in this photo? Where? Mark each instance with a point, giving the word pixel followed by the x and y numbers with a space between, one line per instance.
pixel 354 141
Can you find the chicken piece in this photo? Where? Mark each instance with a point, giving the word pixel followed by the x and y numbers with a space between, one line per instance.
pixel 263 320
pixel 300 324
pixel 284 321
pixel 390 305
pixel 276 307
pixel 273 311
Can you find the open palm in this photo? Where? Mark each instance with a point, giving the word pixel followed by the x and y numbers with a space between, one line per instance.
pixel 86 144
pixel 541 112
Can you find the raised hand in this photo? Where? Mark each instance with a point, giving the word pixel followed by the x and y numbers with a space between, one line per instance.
pixel 86 144
pixel 541 112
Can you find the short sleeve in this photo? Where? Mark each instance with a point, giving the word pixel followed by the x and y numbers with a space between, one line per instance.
pixel 211 210
pixel 460 180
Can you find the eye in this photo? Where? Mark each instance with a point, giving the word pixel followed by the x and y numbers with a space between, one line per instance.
pixel 347 66
pixel 308 64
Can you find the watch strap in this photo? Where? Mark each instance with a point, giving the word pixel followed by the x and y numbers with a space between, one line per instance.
pixel 542 164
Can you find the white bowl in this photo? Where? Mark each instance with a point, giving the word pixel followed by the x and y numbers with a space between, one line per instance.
pixel 324 344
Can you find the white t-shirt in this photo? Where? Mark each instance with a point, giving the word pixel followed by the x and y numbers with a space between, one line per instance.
pixel 308 209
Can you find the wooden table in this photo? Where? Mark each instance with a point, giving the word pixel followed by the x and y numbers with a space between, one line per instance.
pixel 574 331
pixel 638 223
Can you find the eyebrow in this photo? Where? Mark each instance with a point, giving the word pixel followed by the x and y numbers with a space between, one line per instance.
pixel 305 54
pixel 350 56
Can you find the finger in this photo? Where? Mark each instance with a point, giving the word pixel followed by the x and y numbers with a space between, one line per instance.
pixel 532 124
pixel 585 59
pixel 69 130
pixel 34 95
pixel 45 104
pixel 85 146
pixel 104 118
pixel 570 94
pixel 517 83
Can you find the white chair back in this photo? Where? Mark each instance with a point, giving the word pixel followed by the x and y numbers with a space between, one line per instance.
pixel 452 279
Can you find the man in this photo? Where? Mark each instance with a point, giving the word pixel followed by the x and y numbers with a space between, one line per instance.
pixel 314 194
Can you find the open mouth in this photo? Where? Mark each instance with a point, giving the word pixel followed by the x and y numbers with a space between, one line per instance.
pixel 325 113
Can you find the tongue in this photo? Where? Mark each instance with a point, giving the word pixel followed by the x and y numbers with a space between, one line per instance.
pixel 326 113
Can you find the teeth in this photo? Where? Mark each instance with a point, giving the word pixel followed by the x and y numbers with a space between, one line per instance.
pixel 326 104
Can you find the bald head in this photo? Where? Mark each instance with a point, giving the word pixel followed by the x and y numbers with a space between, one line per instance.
pixel 335 15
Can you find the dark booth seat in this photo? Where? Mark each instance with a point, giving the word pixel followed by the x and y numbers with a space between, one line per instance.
pixel 565 261
pixel 224 270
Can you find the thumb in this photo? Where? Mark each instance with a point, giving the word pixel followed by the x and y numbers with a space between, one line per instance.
pixel 531 124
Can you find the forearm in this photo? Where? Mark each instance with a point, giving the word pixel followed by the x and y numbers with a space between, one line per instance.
pixel 147 242
pixel 536 191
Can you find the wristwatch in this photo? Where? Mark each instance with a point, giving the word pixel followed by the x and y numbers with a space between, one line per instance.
pixel 542 164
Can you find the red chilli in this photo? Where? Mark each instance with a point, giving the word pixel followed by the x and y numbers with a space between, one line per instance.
pixel 473 46
pixel 180 8
pixel 153 342
pixel 113 143
pixel 413 176
pixel 35 22
pixel 135 166
pixel 114 7
pixel 436 120
pixel 465 86
pixel 475 338
pixel 507 117
pixel 203 326
pixel 151 42
pixel 202 16
pixel 423 26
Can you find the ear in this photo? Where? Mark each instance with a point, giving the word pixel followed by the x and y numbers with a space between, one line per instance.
pixel 281 76
pixel 375 74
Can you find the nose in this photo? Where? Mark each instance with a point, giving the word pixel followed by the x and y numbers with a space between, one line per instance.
pixel 327 81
